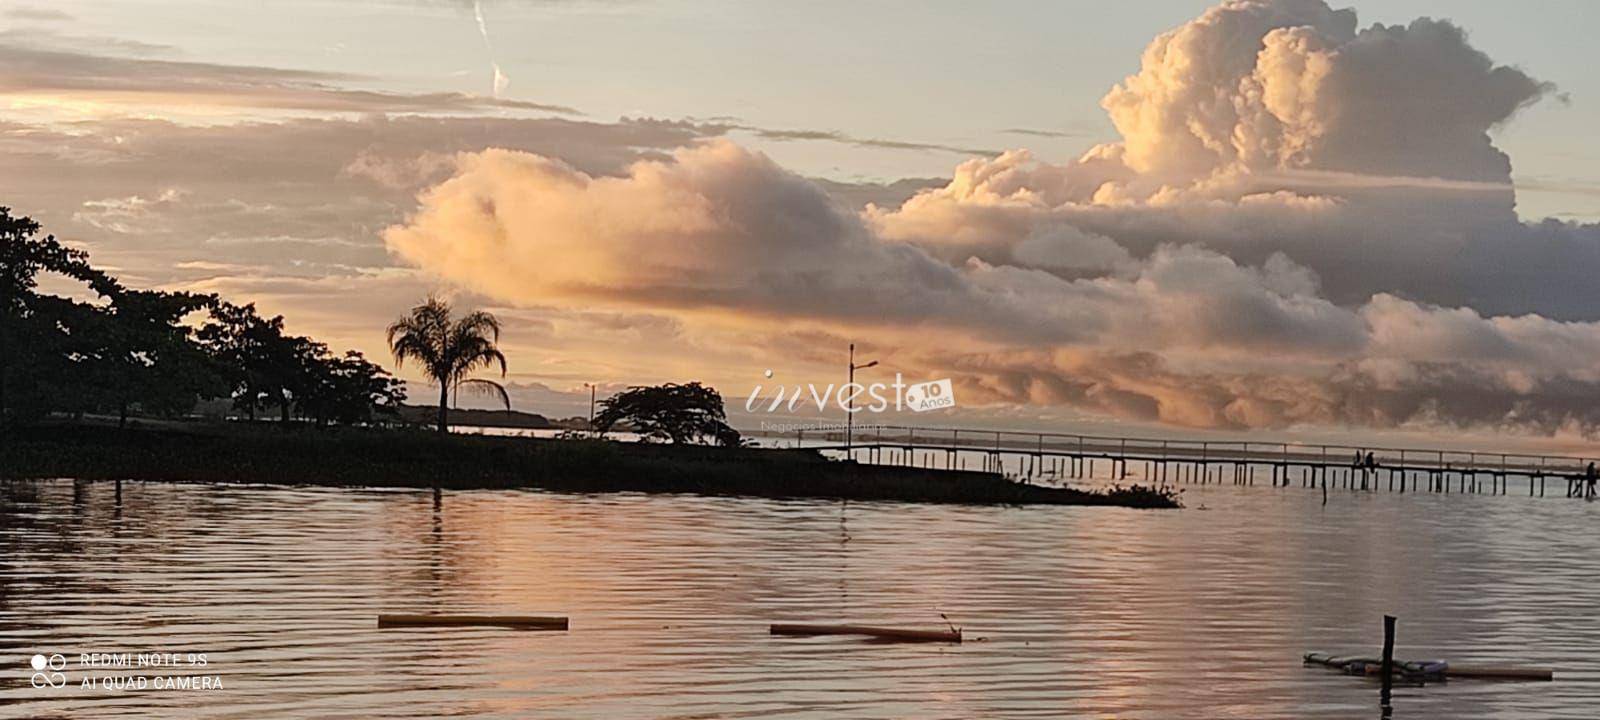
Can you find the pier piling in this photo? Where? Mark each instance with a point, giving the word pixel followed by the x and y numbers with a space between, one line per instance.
pixel 1388 660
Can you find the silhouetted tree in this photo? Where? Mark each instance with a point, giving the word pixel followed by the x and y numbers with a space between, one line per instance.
pixel 264 367
pixel 143 355
pixel 50 354
pixel 260 364
pixel 33 336
pixel 680 413
pixel 299 369
pixel 450 350
pixel 351 391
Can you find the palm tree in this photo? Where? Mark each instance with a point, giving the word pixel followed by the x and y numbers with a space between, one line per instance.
pixel 449 350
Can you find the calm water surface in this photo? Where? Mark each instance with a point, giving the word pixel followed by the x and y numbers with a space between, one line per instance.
pixel 1069 612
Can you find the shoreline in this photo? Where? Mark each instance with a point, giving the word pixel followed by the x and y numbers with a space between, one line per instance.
pixel 402 458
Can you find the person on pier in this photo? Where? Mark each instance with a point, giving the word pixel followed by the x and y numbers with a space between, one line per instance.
pixel 1589 477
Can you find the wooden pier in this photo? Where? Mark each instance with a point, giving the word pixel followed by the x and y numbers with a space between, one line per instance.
pixel 1031 456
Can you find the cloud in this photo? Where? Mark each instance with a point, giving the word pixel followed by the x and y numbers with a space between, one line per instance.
pixel 1292 84
pixel 37 14
pixel 847 139
pixel 715 226
pixel 52 37
pixel 1276 126
pixel 1372 394
pixel 56 74
pixel 27 70
pixel 299 195
pixel 719 235
pixel 857 195
pixel 302 196
pixel 1032 132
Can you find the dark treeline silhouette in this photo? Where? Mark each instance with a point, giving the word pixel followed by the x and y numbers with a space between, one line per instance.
pixel 156 354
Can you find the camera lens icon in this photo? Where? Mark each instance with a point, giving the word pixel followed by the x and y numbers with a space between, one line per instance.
pixel 47 671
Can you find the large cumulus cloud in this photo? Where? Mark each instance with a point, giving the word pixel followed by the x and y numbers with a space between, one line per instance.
pixel 714 227
pixel 1277 126
pixel 1292 84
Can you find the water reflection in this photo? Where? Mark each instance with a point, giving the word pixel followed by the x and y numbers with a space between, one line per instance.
pixel 1069 611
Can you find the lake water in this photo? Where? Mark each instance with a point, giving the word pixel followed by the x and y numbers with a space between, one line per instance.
pixel 1068 612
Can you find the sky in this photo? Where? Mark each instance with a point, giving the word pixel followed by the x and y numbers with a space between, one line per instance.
pixel 1264 216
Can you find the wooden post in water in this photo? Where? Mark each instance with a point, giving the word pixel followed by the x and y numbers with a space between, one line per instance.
pixel 1388 659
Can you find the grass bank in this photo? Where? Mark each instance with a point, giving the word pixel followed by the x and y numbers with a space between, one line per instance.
pixel 419 459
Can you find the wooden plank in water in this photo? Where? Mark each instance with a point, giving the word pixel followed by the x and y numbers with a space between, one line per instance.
pixel 1499 672
pixel 882 633
pixel 517 621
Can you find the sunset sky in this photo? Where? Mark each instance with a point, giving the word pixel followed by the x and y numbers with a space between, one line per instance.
pixel 1264 215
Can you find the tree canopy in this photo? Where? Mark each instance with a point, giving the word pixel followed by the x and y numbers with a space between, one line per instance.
pixel 140 352
pixel 690 413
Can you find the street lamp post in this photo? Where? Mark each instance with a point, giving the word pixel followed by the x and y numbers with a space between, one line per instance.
pixel 591 407
pixel 850 401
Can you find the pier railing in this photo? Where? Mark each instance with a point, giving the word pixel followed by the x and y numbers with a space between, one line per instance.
pixel 906 444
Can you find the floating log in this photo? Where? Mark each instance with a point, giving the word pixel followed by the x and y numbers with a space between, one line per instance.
pixel 882 633
pixel 1429 669
pixel 1500 672
pixel 534 622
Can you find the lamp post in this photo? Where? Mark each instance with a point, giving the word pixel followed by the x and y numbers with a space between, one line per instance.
pixel 591 407
pixel 850 402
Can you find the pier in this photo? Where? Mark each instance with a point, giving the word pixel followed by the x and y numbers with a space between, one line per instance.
pixel 1059 457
